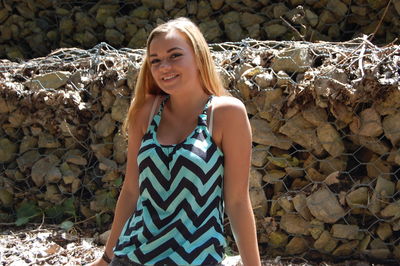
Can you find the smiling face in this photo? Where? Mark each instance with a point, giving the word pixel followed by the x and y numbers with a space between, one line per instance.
pixel 173 63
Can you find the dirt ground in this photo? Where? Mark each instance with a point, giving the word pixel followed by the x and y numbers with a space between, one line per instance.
pixel 50 245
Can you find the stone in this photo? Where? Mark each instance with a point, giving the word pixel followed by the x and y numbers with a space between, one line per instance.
pixel 68 175
pixel 259 155
pixel 337 7
pixel 53 175
pixel 396 4
pixel 101 150
pixel 269 103
pixel 296 245
pixel 300 204
pixel 52 80
pixel 105 11
pixel 325 243
pixel 53 194
pixel 6 198
pixel 204 10
pixel 107 164
pixel 297 59
pixel 374 144
pixel 384 188
pixel 8 150
pixel 311 17
pixel 308 139
pixel 231 17
pixel 107 99
pixel 48 141
pixel 357 199
pixel 345 231
pixel 391 127
pixel 391 210
pixel 248 19
pixel 265 80
pixel 211 30
pixel 346 249
pixel 384 231
pixel 234 32
pixel 279 10
pixel 274 31
pixel 286 203
pixel 294 224
pixel 367 124
pixel 110 176
pixel 76 185
pixel 217 4
pixel 120 109
pixel 259 202
pixel 277 239
pixel 42 167
pixel 359 10
pixel 262 134
pixel 16 118
pixel 139 39
pixel 313 175
pixel 324 205
pixel 120 146
pixel 105 127
pixel 294 172
pixel 316 228
pixel 330 139
pixel 114 37
pixel 27 159
pixel 315 115
pixel 329 165
pixel 273 176
pixel 379 249
pixel 104 237
pixel 76 159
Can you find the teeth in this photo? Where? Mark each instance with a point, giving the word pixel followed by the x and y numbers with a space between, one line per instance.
pixel 169 77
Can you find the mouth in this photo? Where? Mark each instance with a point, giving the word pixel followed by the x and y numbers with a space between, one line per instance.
pixel 169 77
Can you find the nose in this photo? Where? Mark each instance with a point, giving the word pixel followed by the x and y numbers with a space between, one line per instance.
pixel 165 65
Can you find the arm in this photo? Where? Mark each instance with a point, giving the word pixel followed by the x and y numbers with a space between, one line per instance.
pixel 236 145
pixel 127 199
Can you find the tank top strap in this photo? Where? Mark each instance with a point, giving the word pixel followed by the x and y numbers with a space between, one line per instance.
pixel 157 117
pixel 203 115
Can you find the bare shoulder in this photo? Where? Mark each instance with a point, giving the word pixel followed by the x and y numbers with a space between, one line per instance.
pixel 229 106
pixel 143 114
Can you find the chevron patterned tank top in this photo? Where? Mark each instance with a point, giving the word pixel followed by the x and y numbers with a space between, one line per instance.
pixel 179 214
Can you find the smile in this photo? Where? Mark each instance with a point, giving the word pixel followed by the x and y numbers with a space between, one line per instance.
pixel 169 77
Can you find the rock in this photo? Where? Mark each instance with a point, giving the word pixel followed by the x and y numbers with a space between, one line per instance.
pixel 52 80
pixel 330 139
pixel 283 79
pixel 342 112
pixel 217 4
pixel 292 60
pixel 316 228
pixel 104 237
pixel 384 188
pixel 367 124
pixel 259 155
pixel 391 210
pixel 16 118
pixel 279 10
pixel 346 249
pixel 120 109
pixel 105 11
pixel 294 224
pixel 286 203
pixel 391 125
pixel 105 127
pixel 76 159
pixel 101 150
pixel 27 160
pixel 48 141
pixel 139 39
pixel 273 176
pixel 68 175
pixel 315 115
pixel 296 245
pixel 262 134
pixel 294 172
pixel 396 4
pixel 211 30
pixel 107 99
pixel 110 176
pixel 379 249
pixel 248 19
pixel 325 243
pixel 384 231
pixel 107 164
pixel 311 17
pixel 169 4
pixel 204 10
pixel 120 146
pixel 265 80
pixel 277 239
pixel 357 200
pixel 114 37
pixel 338 8
pixel 234 32
pixel 8 150
pixel 76 185
pixel 269 103
pixel 324 205
pixel 359 10
pixel 308 139
pixel 42 167
pixel 259 202
pixel 370 143
pixel 53 194
pixel 274 31
pixel 53 175
pixel 330 165
pixel 345 231
pixel 300 204
pixel 313 175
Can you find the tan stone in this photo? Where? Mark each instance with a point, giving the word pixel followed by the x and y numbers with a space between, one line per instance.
pixel 345 231
pixel 300 204
pixel 263 134
pixel 324 205
pixel 294 224
pixel 296 245
pixel 277 239
pixel 325 243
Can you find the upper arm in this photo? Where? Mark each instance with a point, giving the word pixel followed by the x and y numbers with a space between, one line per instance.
pixel 236 145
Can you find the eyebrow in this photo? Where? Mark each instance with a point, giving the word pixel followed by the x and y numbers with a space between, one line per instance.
pixel 168 51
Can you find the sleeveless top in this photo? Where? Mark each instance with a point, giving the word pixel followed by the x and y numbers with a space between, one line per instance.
pixel 178 219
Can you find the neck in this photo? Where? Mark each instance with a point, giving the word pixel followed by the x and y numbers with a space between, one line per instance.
pixel 186 105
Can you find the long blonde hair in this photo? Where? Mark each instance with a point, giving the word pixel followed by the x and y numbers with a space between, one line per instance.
pixel 209 76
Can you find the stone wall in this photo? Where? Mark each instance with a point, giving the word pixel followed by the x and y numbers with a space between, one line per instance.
pixel 325 121
pixel 31 29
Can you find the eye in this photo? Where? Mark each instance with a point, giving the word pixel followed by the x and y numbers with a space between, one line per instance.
pixel 154 61
pixel 175 55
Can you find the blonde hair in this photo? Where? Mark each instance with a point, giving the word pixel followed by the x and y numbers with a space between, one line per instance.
pixel 209 76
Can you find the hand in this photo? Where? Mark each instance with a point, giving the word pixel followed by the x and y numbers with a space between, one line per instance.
pixel 98 262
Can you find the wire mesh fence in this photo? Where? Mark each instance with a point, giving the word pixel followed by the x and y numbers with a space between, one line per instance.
pixel 325 121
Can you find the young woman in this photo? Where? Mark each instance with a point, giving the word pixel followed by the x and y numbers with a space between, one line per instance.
pixel 189 150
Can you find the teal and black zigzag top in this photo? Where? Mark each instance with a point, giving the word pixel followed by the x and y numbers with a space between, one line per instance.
pixel 178 219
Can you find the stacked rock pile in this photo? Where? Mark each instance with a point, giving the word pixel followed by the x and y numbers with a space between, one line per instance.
pixel 31 29
pixel 326 133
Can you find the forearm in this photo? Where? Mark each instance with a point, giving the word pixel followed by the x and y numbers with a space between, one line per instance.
pixel 124 208
pixel 244 230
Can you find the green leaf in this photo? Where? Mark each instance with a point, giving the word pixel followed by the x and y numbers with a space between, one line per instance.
pixel 55 212
pixel 69 206
pixel 118 182
pixel 22 221
pixel 28 209
pixel 66 225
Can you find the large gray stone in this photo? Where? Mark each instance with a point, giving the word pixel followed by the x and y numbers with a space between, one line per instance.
pixel 391 127
pixel 53 80
pixel 367 124
pixel 324 205
pixel 263 134
pixel 297 59
pixel 105 127
pixel 345 231
pixel 330 139
pixel 294 224
pixel 42 167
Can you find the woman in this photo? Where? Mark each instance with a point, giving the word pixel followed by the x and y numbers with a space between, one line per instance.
pixel 189 152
